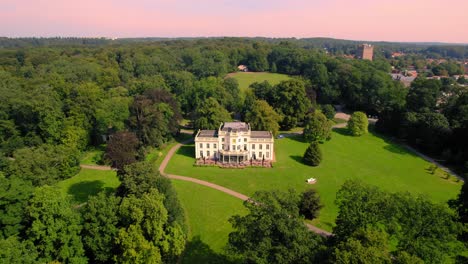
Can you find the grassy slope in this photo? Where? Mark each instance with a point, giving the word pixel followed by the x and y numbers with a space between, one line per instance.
pixel 207 213
pixel 369 158
pixel 88 182
pixel 247 78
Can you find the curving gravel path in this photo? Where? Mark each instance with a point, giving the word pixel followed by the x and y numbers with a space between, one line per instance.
pixel 241 196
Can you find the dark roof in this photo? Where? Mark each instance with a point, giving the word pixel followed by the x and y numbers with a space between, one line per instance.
pixel 260 134
pixel 207 133
pixel 235 126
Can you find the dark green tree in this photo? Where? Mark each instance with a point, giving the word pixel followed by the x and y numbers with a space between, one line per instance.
pixel 328 110
pixel 313 154
pixel 210 115
pixel 310 205
pixel 317 128
pixel 53 226
pixel 100 227
pixel 46 164
pixel 262 116
pixel 272 231
pixel 14 195
pixel 291 102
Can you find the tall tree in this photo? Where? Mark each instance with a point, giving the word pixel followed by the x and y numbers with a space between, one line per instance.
pixel 100 226
pixel 317 128
pixel 291 102
pixel 155 116
pixel 210 115
pixel 122 149
pixel 46 164
pixel 145 236
pixel 14 195
pixel 262 116
pixel 272 231
pixel 54 227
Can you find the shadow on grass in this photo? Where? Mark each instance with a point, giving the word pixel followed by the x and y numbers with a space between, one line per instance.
pixel 297 158
pixel 198 252
pixel 188 151
pixel 183 137
pixel 342 131
pixel 82 190
pixel 396 149
pixel 296 137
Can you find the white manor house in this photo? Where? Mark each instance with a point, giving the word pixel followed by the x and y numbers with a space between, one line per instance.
pixel 234 142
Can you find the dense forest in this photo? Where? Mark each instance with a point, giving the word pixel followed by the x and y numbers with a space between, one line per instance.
pixel 62 96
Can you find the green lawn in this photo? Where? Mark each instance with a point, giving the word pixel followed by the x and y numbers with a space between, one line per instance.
pixel 207 213
pixel 88 182
pixel 92 156
pixel 157 155
pixel 369 158
pixel 247 78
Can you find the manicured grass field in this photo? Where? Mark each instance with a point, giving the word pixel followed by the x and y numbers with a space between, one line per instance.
pixel 247 78
pixel 88 182
pixel 370 158
pixel 207 213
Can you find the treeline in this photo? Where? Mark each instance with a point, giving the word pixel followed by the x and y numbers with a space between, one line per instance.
pixel 382 49
pixel 142 222
pixel 434 119
pixel 372 226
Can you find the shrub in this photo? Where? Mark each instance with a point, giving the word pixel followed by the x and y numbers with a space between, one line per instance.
pixel 357 124
pixel 328 110
pixel 310 205
pixel 313 154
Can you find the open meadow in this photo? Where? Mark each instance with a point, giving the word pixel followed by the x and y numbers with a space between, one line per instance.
pixel 207 212
pixel 369 158
pixel 245 79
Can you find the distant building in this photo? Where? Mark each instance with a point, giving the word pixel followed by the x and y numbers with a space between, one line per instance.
pixel 243 68
pixel 365 52
pixel 234 142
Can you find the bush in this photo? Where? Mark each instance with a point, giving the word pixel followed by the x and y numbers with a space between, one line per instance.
pixel 310 205
pixel 317 128
pixel 313 154
pixel 328 110
pixel 358 123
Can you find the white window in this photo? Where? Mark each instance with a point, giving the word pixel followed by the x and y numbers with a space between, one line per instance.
pixel 268 146
pixel 201 153
pixel 245 146
pixel 208 153
pixel 260 155
pixel 207 145
pixel 233 147
pixel 238 147
pixel 214 145
pixel 260 147
pixel 201 145
pixel 245 139
pixel 222 146
pixel 268 155
pixel 253 146
pixel 222 139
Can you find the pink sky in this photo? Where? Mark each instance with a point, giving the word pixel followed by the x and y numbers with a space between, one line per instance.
pixel 396 20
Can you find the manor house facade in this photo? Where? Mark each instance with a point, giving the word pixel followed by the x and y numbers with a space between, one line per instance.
pixel 234 142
